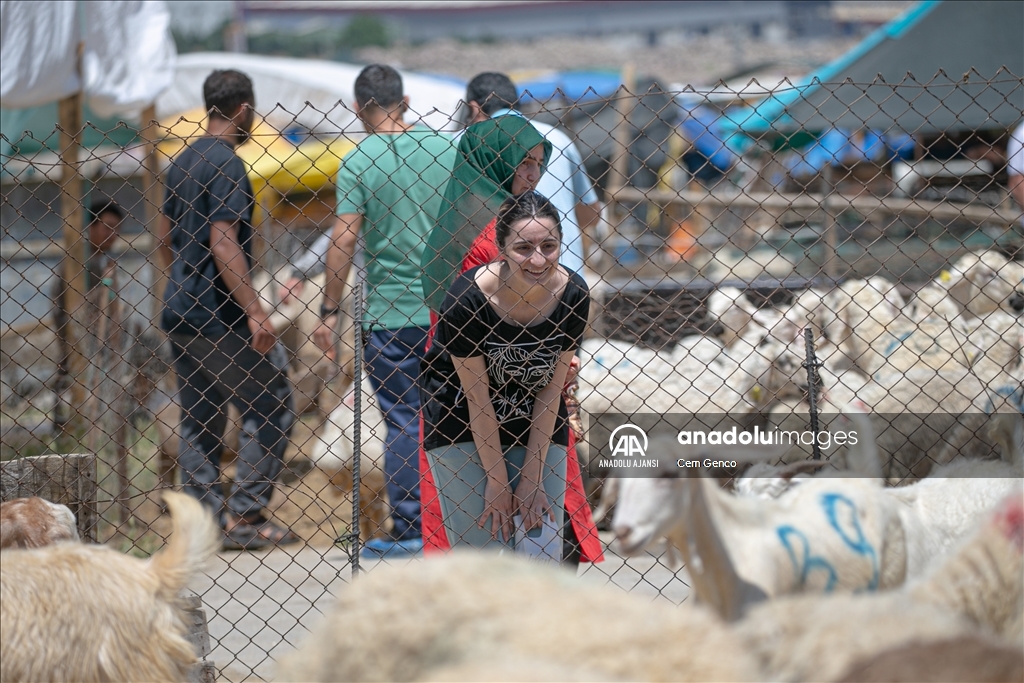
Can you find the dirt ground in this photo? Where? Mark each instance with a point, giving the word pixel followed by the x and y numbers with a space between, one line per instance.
pixel 303 501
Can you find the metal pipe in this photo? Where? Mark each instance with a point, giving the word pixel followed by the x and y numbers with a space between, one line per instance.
pixel 811 364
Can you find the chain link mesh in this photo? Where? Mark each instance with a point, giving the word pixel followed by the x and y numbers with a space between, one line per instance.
pixel 708 252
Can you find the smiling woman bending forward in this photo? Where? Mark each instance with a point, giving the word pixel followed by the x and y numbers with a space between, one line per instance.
pixel 495 426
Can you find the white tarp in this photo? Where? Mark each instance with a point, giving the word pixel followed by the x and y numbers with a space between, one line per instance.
pixel 128 54
pixel 284 85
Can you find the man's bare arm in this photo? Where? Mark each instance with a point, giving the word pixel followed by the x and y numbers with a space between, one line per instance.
pixel 340 255
pixel 163 248
pixel 233 268
pixel 339 262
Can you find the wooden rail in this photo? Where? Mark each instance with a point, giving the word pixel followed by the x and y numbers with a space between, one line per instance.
pixel 777 203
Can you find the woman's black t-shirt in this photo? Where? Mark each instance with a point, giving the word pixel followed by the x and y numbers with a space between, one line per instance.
pixel 520 362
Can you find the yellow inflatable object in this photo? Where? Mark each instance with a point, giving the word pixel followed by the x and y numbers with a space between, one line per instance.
pixel 275 164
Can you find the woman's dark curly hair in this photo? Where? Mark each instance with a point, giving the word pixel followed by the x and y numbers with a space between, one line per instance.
pixel 530 204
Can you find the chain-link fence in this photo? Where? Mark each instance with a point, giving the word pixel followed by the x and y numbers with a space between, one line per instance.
pixel 186 310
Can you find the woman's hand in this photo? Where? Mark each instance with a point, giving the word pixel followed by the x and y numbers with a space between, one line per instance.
pixel 533 504
pixel 573 372
pixel 498 507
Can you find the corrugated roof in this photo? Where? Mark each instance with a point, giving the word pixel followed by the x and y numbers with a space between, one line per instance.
pixel 938 66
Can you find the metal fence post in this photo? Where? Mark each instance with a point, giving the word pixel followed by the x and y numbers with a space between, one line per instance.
pixel 811 365
pixel 357 417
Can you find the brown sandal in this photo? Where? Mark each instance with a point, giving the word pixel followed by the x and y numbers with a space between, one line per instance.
pixel 273 534
pixel 244 536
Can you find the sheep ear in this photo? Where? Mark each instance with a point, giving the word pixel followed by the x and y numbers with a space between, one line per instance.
pixel 707 560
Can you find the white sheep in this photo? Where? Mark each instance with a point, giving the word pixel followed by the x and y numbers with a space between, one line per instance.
pixel 730 307
pixel 294 322
pixel 933 300
pixel 917 414
pixel 837 313
pixel 865 325
pixel 333 452
pixel 977 285
pixel 995 343
pixel 823 535
pixel 767 480
pixel 986 282
pixel 75 612
pixel 420 622
pixel 698 374
pixel 448 619
pixel 976 591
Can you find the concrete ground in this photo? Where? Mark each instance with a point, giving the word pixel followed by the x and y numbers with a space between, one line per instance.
pixel 259 604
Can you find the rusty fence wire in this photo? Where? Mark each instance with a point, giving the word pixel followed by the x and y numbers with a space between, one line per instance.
pixel 763 263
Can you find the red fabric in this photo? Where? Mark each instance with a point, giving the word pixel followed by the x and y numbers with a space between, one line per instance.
pixel 484 250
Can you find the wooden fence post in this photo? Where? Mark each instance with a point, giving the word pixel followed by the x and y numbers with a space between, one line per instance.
pixel 69 112
pixel 66 479
pixel 151 191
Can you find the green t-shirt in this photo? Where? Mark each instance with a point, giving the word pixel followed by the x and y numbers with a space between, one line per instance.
pixel 396 182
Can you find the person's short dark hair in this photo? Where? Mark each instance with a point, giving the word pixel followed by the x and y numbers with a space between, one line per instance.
pixel 530 204
pixel 225 90
pixel 379 84
pixel 103 204
pixel 492 91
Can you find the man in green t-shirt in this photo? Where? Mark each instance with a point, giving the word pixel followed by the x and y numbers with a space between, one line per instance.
pixel 389 192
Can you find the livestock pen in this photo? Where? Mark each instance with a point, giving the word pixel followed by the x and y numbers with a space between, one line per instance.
pixel 704 287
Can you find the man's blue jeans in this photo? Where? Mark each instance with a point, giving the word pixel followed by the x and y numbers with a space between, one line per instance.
pixel 393 363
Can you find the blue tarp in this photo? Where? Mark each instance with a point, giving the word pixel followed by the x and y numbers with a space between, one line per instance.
pixel 702 126
pixel 839 147
pixel 575 86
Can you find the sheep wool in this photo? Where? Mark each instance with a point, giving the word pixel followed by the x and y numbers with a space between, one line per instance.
pixel 74 612
pixel 449 617
pixel 820 638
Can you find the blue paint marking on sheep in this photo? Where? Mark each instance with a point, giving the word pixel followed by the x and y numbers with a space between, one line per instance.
pixel 860 545
pixel 895 343
pixel 804 562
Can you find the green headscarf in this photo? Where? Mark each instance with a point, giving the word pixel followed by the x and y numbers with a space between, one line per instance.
pixel 489 153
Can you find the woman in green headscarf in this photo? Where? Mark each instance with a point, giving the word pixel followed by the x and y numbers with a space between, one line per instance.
pixel 497 158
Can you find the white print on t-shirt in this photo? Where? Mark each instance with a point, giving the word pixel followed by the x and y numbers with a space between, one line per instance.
pixel 519 371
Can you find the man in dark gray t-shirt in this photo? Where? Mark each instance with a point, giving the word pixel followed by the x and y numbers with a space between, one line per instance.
pixel 224 349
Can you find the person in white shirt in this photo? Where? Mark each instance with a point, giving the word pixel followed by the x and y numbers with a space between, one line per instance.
pixel 565 182
pixel 1015 165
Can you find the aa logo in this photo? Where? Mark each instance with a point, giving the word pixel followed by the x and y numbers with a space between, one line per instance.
pixel 628 440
